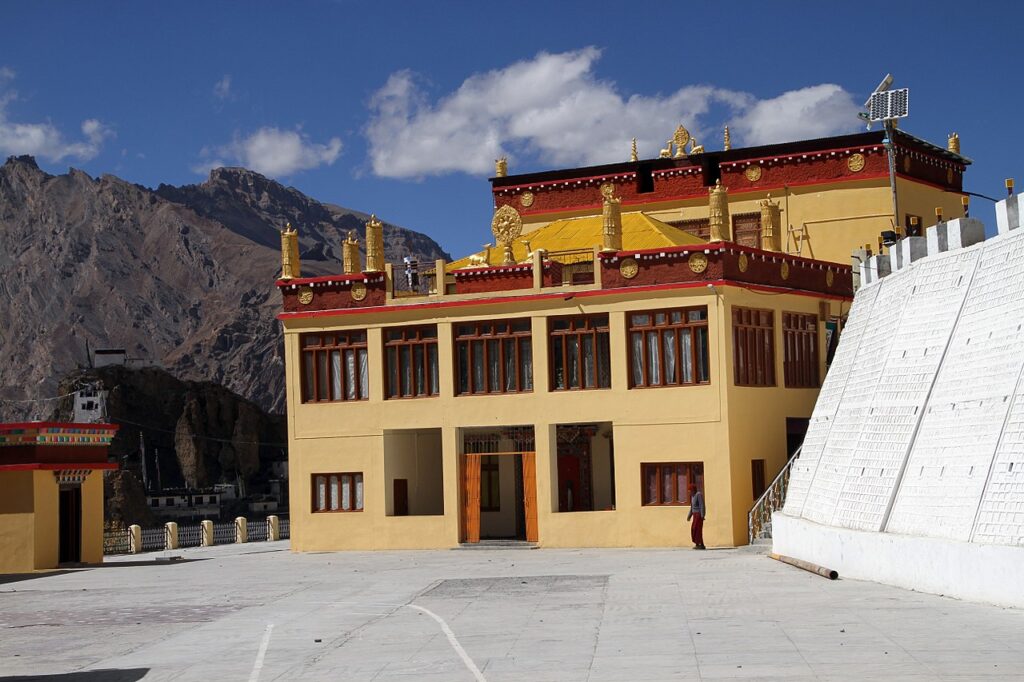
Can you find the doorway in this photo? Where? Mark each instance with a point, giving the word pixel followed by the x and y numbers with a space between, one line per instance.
pixel 70 524
pixel 498 486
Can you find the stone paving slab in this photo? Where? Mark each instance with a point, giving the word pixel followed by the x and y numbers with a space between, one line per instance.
pixel 561 615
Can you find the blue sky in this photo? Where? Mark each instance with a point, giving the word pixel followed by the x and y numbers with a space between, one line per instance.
pixel 400 108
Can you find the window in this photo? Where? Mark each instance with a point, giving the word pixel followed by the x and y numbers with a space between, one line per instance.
pixel 669 347
pixel 490 484
pixel 757 478
pixel 337 492
pixel 155 502
pixel 334 367
pixel 746 229
pixel 580 354
pixel 494 357
pixel 410 355
pixel 800 345
pixel 169 502
pixel 668 483
pixel 754 346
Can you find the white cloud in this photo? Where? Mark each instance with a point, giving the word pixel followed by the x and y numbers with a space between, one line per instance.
pixel 554 109
pixel 43 139
pixel 271 151
pixel 222 88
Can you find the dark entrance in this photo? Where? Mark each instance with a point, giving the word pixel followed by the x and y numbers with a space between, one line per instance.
pixel 70 520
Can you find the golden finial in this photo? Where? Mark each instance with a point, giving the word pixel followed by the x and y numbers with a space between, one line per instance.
pixel 374 245
pixel 718 213
pixel 771 221
pixel 728 140
pixel 501 167
pixel 680 138
pixel 611 220
pixel 290 265
pixel 350 254
pixel 633 156
pixel 953 143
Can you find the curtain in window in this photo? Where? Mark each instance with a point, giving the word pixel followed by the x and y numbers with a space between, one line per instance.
pixel 335 375
pixel 350 375
pixel 494 365
pixel 509 350
pixel 654 358
pixel 604 362
pixel 588 361
pixel 666 484
pixel 478 366
pixel 308 359
pixel 364 374
pixel 670 356
pixel 346 493
pixel 637 356
pixel 651 484
pixel 321 492
pixel 405 370
pixel 682 484
pixel 432 361
pixel 572 370
pixel 359 491
pixel 420 387
pixel 557 367
pixel 334 493
pixel 686 355
pixel 526 364
pixel 322 383
pixel 463 367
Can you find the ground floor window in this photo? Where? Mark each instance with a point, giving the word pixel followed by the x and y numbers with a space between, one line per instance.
pixel 337 492
pixel 668 483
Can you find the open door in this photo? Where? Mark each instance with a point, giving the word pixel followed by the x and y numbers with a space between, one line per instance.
pixel 471 498
pixel 530 494
pixel 70 528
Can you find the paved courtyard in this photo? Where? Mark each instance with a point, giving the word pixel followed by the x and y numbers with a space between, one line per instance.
pixel 258 612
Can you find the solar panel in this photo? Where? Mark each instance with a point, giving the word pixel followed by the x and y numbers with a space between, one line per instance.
pixel 890 104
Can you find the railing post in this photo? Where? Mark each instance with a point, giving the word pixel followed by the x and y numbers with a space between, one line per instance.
pixel 241 529
pixel 135 539
pixel 273 529
pixel 207 534
pixel 171 535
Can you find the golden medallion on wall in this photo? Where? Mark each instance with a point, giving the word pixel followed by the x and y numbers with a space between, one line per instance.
pixel 752 173
pixel 628 268
pixel 906 164
pixel 829 278
pixel 743 262
pixel 305 295
pixel 855 163
pixel 358 291
pixel 698 262
pixel 784 270
pixel 526 199
pixel 949 176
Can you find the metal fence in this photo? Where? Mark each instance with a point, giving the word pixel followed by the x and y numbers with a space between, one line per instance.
pixel 258 530
pixel 286 528
pixel 117 541
pixel 154 538
pixel 190 536
pixel 223 533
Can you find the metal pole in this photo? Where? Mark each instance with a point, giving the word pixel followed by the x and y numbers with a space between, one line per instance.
pixel 892 173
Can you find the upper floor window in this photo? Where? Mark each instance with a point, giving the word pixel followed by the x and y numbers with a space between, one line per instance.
pixel 494 357
pixel 410 355
pixel 754 346
pixel 800 344
pixel 580 353
pixel 669 347
pixel 334 366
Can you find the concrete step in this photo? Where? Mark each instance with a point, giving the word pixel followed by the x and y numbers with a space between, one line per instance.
pixel 498 544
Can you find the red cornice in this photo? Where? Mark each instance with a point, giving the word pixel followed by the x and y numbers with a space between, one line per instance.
pixel 725 246
pixel 41 466
pixel 565 295
pixel 336 279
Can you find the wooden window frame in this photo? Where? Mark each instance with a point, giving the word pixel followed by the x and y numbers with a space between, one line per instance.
pixel 341 476
pixel 753 346
pixel 328 343
pixel 695 476
pixel 410 338
pixel 485 332
pixel 800 364
pixel 490 483
pixel 654 326
pixel 580 327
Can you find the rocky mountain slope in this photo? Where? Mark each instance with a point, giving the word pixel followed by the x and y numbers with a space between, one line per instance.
pixel 181 277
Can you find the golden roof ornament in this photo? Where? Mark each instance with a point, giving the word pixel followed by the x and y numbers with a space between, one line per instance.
pixel 290 265
pixel 350 254
pixel 718 213
pixel 666 153
pixel 695 148
pixel 953 143
pixel 771 225
pixel 501 167
pixel 506 226
pixel 633 156
pixel 680 138
pixel 374 245
pixel 611 221
pixel 728 139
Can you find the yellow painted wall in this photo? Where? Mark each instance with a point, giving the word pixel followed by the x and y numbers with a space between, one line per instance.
pixel 720 425
pixel 17 527
pixel 92 518
pixel 47 523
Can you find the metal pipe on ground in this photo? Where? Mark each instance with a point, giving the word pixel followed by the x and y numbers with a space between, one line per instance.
pixel 807 566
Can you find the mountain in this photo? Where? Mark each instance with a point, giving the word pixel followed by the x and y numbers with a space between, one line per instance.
pixel 180 277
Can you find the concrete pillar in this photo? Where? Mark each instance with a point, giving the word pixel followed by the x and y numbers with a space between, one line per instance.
pixel 171 535
pixel 135 539
pixel 389 282
pixel 906 251
pixel 273 529
pixel 241 529
pixel 207 527
pixel 1008 214
pixel 954 234
pixel 538 269
pixel 440 277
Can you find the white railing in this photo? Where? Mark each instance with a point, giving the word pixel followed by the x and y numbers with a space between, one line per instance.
pixel 759 520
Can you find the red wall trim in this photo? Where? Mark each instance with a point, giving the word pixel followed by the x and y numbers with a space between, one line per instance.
pixel 36 466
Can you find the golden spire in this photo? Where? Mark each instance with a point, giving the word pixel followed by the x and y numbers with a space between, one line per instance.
pixel 728 140
pixel 718 214
pixel 680 138
pixel 771 222
pixel 611 219
pixel 633 156
pixel 290 265
pixel 374 245
pixel 501 167
pixel 350 254
pixel 953 143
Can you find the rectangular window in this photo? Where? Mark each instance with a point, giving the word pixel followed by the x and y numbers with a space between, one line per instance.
pixel 754 346
pixel 410 356
pixel 668 484
pixel 800 344
pixel 757 478
pixel 334 367
pixel 580 353
pixel 490 484
pixel 494 357
pixel 668 347
pixel 337 492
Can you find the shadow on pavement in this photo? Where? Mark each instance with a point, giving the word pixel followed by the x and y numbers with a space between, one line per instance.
pixel 110 675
